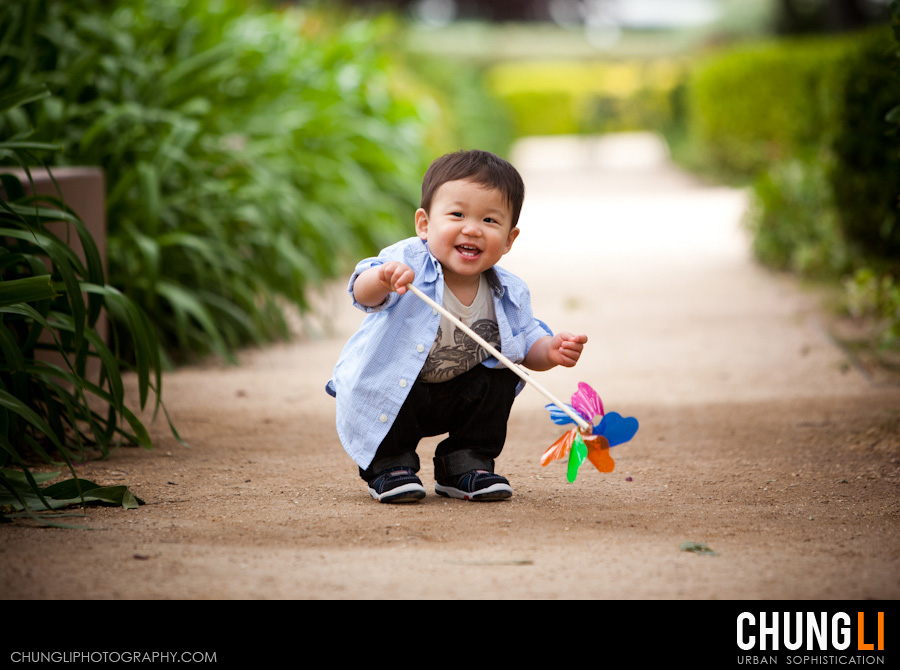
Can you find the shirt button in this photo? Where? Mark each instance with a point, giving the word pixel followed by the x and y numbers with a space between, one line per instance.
pixel 433 312
pixel 383 418
pixel 420 348
pixel 402 383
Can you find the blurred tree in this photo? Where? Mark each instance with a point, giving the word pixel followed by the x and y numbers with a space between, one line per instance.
pixel 809 16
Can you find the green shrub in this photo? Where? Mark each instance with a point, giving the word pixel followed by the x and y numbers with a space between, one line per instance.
pixel 779 106
pixel 754 105
pixel 865 174
pixel 249 153
pixel 873 291
pixel 814 125
pixel 873 295
pixel 794 222
pixel 459 109
pixel 51 300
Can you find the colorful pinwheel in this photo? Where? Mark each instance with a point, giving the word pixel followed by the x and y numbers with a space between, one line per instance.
pixel 584 442
pixel 613 429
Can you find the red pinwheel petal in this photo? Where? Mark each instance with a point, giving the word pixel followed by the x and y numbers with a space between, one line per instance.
pixel 560 448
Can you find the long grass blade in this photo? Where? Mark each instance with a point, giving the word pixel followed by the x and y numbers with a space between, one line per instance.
pixel 27 289
pixel 22 96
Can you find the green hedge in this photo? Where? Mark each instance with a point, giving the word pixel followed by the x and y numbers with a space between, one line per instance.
pixel 794 222
pixel 249 152
pixel 754 105
pixel 818 102
pixel 569 97
pixel 865 174
pixel 808 124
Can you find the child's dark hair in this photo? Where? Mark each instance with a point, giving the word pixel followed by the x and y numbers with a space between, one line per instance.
pixel 481 167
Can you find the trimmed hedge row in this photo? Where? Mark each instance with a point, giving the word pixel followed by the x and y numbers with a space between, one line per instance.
pixel 752 106
pixel 821 102
pixel 809 124
pixel 554 98
pixel 865 176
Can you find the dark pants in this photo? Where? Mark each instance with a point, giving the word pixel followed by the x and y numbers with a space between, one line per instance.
pixel 473 408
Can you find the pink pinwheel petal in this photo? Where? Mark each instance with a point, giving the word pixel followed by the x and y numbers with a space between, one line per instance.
pixel 586 402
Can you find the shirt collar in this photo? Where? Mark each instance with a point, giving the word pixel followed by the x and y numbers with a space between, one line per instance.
pixel 495 283
pixel 432 267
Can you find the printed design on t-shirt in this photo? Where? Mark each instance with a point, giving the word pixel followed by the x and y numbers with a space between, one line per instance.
pixel 449 361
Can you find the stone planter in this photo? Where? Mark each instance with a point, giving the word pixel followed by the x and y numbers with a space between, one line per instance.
pixel 84 190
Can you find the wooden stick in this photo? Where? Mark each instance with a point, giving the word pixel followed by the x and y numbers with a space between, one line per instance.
pixel 582 424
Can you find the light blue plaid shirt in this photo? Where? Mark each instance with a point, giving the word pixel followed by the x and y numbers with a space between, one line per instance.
pixel 380 363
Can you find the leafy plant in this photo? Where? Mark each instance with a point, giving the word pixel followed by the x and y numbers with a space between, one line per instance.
pixel 793 220
pixel 250 153
pixel 459 107
pixel 870 294
pixel 50 299
pixel 865 175
pixel 23 498
pixel 819 139
pixel 697 548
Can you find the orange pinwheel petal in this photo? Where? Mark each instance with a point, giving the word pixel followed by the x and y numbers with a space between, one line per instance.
pixel 560 448
pixel 598 453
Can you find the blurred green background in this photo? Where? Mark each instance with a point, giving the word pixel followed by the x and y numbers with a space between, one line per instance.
pixel 255 149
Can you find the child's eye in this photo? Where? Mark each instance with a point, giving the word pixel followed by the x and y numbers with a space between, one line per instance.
pixel 457 214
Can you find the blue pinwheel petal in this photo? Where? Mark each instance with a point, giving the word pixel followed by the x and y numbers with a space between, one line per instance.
pixel 616 429
pixel 558 416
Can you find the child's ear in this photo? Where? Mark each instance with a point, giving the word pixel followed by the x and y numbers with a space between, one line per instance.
pixel 422 223
pixel 513 234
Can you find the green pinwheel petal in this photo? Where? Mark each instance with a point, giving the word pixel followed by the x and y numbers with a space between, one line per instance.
pixel 576 457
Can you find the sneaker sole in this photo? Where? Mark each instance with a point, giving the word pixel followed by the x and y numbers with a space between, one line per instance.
pixel 402 494
pixel 489 494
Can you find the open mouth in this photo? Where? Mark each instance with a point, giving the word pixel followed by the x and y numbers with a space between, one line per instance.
pixel 468 251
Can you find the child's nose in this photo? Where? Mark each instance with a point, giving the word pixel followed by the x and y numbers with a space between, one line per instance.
pixel 471 228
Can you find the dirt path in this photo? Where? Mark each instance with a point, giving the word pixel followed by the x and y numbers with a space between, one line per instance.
pixel 758 438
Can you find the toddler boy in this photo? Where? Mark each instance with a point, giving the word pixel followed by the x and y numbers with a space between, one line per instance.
pixel 409 373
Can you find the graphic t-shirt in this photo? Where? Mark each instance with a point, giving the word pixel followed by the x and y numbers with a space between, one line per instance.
pixel 454 352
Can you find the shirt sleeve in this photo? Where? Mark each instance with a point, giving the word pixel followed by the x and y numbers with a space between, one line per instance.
pixel 528 329
pixel 538 330
pixel 361 267
pixel 521 329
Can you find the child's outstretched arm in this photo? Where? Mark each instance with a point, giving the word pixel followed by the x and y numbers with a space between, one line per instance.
pixel 561 349
pixel 376 283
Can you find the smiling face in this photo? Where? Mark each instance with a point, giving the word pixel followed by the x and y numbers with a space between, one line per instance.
pixel 468 228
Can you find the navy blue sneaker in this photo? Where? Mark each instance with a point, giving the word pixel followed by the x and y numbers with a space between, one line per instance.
pixel 477 485
pixel 396 485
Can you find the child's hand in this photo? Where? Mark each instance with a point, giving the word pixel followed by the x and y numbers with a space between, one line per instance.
pixel 374 285
pixel 395 276
pixel 565 349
